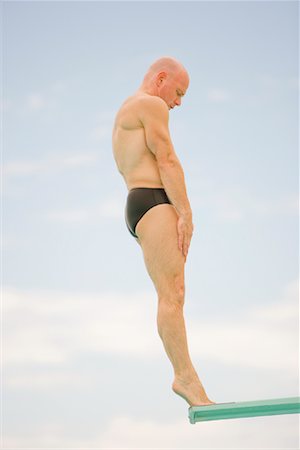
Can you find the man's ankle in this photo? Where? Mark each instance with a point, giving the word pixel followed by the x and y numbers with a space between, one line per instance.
pixel 186 375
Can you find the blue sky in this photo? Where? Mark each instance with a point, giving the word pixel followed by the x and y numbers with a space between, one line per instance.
pixel 83 366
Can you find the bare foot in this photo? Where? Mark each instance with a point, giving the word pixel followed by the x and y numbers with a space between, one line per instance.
pixel 192 391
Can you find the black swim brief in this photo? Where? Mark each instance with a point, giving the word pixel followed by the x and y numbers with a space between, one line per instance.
pixel 139 201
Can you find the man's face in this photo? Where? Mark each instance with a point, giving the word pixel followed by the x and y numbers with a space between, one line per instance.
pixel 173 88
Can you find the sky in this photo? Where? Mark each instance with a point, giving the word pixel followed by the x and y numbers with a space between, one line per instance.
pixel 82 363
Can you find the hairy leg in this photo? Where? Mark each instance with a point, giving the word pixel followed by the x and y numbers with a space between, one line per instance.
pixel 157 233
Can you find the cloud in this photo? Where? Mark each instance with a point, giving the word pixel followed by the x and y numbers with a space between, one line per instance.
pixel 48 98
pixel 35 102
pixel 43 380
pixel 130 433
pixel 72 216
pixel 103 127
pixel 51 163
pixel 59 87
pixel 236 204
pixel 57 325
pixel 23 168
pixel 45 327
pixel 271 82
pixel 294 83
pixel 147 434
pixel 265 337
pixel 5 105
pixel 111 208
pixel 100 132
pixel 218 95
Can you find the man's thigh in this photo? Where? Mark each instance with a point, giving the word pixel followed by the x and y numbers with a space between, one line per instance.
pixel 157 233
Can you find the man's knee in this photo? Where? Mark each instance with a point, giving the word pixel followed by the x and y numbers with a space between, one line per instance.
pixel 173 291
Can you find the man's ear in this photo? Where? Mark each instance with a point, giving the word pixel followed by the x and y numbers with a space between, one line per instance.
pixel 161 76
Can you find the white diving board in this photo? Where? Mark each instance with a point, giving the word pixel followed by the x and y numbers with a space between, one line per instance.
pixel 237 410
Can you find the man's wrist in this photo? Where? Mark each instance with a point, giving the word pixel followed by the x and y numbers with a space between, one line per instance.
pixel 186 213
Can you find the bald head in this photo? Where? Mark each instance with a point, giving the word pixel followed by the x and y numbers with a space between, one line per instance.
pixel 168 79
pixel 166 64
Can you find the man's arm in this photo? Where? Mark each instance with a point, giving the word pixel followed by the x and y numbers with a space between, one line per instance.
pixel 155 118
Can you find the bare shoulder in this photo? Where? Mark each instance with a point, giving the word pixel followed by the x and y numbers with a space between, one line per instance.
pixel 153 105
pixel 145 102
pixel 143 109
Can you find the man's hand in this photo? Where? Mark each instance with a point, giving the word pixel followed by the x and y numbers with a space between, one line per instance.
pixel 185 229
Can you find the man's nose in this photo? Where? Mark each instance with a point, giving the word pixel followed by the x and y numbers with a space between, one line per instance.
pixel 178 101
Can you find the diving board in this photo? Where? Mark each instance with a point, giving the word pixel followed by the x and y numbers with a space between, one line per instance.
pixel 236 410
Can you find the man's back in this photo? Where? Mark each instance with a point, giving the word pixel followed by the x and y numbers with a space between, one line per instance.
pixel 136 163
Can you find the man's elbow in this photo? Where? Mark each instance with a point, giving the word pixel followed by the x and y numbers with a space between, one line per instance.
pixel 166 157
pixel 168 162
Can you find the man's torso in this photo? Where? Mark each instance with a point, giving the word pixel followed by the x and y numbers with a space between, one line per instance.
pixel 134 160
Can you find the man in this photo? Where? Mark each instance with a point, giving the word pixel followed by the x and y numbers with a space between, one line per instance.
pixel 158 213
